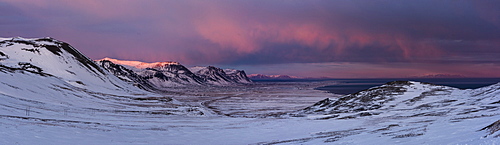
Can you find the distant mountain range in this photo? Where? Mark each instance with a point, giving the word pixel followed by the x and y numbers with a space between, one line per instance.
pixel 288 77
pixel 439 76
pixel 264 77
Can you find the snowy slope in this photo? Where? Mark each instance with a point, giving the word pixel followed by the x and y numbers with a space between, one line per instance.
pixel 395 126
pixel 173 74
pixel 44 77
pixel 407 95
pixel 413 111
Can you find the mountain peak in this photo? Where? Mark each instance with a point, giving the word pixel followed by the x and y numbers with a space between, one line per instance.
pixel 139 64
pixel 218 76
pixel 35 52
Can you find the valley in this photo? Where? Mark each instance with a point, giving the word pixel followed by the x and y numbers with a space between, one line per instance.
pixel 254 100
pixel 50 93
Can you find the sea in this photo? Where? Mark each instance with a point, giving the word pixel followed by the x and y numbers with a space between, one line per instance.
pixel 349 86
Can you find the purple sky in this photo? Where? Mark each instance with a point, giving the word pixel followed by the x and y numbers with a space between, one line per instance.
pixel 337 38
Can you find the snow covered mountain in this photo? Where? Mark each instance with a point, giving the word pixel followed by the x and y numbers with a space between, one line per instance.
pixel 406 109
pixel 266 77
pixel 127 75
pixel 159 74
pixel 172 74
pixel 43 77
pixel 217 76
pixel 405 95
pixel 237 76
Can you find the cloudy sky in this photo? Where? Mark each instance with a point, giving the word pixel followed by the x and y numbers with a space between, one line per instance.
pixel 313 38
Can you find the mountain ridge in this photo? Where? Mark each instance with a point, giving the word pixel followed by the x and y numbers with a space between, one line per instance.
pixel 48 76
pixel 439 76
pixel 172 74
pixel 158 74
pixel 409 93
pixel 269 77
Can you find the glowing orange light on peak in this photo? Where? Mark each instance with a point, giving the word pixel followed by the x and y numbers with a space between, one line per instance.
pixel 138 64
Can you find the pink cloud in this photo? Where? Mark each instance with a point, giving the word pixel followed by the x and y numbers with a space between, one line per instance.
pixel 247 35
pixel 240 32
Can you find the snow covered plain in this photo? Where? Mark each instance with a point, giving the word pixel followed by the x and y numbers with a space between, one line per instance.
pixel 235 116
pixel 232 124
pixel 52 94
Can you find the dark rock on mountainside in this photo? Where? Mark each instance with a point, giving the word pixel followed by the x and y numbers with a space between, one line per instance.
pixel 126 75
pixel 237 75
pixel 369 99
pixel 172 74
pixel 217 76
pixel 493 128
pixel 56 48
pixel 414 97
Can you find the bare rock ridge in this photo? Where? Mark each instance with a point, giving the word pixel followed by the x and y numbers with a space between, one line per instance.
pixel 171 74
